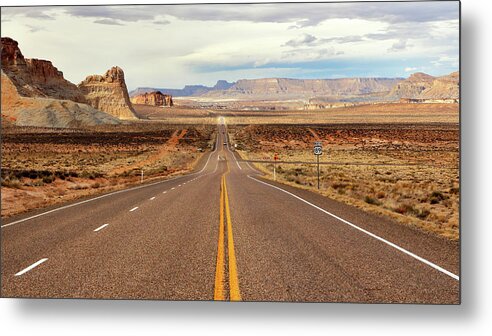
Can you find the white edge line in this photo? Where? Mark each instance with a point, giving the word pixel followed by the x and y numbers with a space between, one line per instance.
pixel 401 249
pixel 236 161
pixel 113 193
pixel 27 269
pixel 90 200
pixel 232 153
pixel 101 227
pixel 135 208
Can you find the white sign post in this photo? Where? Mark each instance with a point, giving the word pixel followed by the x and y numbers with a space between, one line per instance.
pixel 318 150
pixel 275 158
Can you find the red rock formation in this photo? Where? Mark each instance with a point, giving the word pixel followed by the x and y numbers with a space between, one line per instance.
pixel 34 77
pixel 11 54
pixel 34 93
pixel 155 98
pixel 109 93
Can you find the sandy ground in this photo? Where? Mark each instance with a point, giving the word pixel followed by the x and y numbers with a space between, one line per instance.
pixel 410 174
pixel 45 167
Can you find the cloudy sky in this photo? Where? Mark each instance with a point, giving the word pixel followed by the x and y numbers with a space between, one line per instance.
pixel 173 45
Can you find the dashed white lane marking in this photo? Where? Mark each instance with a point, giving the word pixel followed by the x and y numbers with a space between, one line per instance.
pixel 152 198
pixel 173 188
pixel 101 227
pixel 165 191
pixel 27 269
pixel 135 208
pixel 401 249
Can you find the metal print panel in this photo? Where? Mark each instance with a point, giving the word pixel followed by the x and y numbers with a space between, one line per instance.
pixel 290 152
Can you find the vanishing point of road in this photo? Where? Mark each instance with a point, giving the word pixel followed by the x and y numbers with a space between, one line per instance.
pixel 223 233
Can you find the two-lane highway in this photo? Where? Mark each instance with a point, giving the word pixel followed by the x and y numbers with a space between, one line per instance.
pixel 224 233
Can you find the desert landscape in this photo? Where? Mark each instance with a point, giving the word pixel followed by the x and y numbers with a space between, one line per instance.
pixel 394 157
pixel 353 179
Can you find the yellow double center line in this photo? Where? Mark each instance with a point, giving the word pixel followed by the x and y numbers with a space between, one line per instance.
pixel 219 292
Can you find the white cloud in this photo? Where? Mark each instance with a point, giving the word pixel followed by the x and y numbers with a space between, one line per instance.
pixel 177 45
pixel 410 69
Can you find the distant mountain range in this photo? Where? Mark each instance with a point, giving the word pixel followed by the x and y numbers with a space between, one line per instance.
pixel 418 85
pixel 188 90
pixel 287 88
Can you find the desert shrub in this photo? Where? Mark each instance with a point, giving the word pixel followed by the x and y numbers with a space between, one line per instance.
pixel 422 213
pixel 299 172
pixel 45 173
pixel 404 209
pixel 38 183
pixel 11 183
pixel 290 178
pixel 90 175
pixel 455 190
pixel 339 185
pixel 96 185
pixel 371 200
pixel 48 179
pixel 436 197
pixel 381 194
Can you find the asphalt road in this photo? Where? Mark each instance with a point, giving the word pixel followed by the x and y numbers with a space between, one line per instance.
pixel 223 233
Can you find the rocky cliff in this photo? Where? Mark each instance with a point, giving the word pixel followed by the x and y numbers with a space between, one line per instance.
pixel 109 93
pixel 34 93
pixel 34 77
pixel 154 98
pixel 288 88
pixel 47 112
pixel 423 86
pixel 444 87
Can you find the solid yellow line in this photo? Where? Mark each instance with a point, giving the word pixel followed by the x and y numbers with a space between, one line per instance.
pixel 219 269
pixel 234 294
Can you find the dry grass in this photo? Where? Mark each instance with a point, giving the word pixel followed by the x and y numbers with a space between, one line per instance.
pixel 423 192
pixel 41 167
pixel 370 113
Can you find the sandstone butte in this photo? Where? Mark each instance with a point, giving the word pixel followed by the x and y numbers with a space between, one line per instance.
pixel 109 93
pixel 154 98
pixel 34 93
